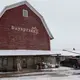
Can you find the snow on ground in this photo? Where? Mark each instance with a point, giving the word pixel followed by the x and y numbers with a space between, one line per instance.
pixel 61 73
pixel 44 77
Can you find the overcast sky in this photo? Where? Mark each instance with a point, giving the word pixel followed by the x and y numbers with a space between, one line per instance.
pixel 62 18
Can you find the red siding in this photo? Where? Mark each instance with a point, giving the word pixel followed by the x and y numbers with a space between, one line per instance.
pixel 13 39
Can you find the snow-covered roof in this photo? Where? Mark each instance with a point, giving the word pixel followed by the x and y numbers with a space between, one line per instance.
pixel 35 52
pixel 36 12
pixel 77 52
pixel 65 53
pixel 25 53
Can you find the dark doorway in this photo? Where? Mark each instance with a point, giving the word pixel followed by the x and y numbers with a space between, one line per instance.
pixel 24 63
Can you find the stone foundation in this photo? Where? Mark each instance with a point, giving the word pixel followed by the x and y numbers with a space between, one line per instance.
pixel 23 62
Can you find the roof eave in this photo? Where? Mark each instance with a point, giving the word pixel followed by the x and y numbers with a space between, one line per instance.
pixel 51 38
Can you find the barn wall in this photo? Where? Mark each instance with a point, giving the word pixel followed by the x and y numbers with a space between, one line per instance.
pixel 19 38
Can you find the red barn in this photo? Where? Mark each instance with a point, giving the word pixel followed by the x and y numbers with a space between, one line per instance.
pixel 24 37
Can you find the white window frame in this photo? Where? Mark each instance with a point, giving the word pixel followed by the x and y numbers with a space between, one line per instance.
pixel 25 13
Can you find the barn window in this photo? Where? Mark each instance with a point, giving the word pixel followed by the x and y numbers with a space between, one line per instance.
pixel 25 13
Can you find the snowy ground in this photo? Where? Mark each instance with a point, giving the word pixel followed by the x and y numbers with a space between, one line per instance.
pixel 44 77
pixel 56 74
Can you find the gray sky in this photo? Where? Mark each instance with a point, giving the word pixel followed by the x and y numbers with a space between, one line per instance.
pixel 62 18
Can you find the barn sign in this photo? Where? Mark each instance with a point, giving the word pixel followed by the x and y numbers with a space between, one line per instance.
pixel 33 30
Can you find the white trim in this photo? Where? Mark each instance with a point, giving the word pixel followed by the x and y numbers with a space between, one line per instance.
pixel 37 13
pixel 25 52
pixel 25 13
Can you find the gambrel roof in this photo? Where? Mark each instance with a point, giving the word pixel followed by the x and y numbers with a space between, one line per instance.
pixel 37 13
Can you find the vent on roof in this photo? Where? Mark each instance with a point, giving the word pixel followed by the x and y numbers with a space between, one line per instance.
pixel 25 13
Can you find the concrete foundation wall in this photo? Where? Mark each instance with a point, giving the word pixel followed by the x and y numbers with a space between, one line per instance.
pixel 27 62
pixel 50 59
pixel 10 63
pixel 6 63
